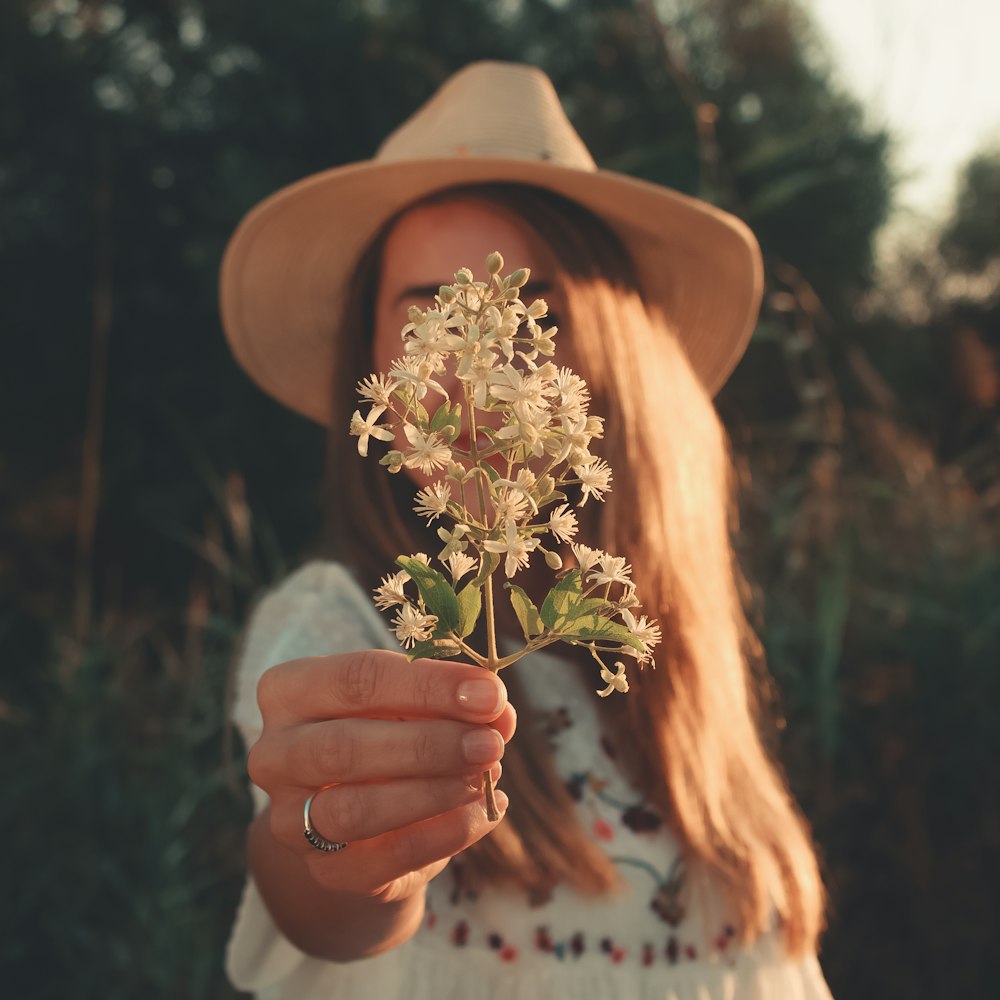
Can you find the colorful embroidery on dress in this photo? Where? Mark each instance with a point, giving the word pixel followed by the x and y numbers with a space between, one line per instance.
pixel 668 901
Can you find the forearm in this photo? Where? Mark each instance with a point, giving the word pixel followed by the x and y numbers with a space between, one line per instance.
pixel 324 924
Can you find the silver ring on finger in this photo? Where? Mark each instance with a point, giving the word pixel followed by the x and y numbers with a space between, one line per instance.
pixel 317 841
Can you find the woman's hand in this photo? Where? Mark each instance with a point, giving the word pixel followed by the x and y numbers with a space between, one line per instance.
pixel 402 745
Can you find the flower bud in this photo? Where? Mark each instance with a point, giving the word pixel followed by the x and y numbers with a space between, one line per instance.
pixel 594 426
pixel 459 473
pixel 545 486
pixel 463 276
pixel 494 263
pixel 447 294
pixel 538 308
pixel 392 459
pixel 415 314
pixel 553 560
pixel 519 277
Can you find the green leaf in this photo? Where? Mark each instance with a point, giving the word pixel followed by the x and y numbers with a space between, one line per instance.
pixel 490 471
pixel 560 599
pixel 490 562
pixel 433 649
pixel 527 613
pixel 596 627
pixel 421 412
pixel 435 590
pixel 584 610
pixel 447 417
pixel 470 603
pixel 551 498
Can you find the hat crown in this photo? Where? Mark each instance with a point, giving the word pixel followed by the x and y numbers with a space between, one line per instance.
pixel 491 109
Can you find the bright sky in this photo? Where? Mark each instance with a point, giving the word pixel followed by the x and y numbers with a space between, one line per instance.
pixel 930 70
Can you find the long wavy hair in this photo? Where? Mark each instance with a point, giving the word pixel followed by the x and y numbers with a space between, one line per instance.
pixel 691 733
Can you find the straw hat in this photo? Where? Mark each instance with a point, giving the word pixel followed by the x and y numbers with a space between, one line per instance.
pixel 285 271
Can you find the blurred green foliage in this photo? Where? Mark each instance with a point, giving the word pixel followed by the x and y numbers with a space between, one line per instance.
pixel 133 136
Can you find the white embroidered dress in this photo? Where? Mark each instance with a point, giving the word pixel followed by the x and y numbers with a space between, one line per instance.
pixel 657 941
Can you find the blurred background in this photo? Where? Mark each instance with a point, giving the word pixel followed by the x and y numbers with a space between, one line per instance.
pixel 148 491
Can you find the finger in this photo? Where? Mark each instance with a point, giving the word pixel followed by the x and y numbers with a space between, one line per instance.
pixel 379 683
pixel 368 866
pixel 506 722
pixel 352 750
pixel 361 811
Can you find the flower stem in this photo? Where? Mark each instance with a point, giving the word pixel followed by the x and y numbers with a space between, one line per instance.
pixel 492 663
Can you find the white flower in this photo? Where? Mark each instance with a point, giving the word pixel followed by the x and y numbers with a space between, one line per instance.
pixel 646 631
pixel 471 348
pixel 428 451
pixel 538 309
pixel 548 373
pixel 527 431
pixel 524 484
pixel 460 563
pixel 517 549
pixel 571 444
pixel 472 292
pixel 377 387
pixel 365 427
pixel 501 328
pixel 432 502
pixel 614 569
pixel 616 681
pixel 587 557
pixel 431 336
pixel 478 373
pixel 627 600
pixel 412 626
pixel 416 373
pixel 526 480
pixel 452 541
pixel 570 384
pixel 562 523
pixel 509 504
pixel 541 341
pixel 574 395
pixel 595 478
pixel 526 395
pixel 391 590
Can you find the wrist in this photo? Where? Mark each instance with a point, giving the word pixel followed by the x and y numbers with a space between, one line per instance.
pixel 321 921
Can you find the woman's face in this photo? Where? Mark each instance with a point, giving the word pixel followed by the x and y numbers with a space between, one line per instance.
pixel 425 248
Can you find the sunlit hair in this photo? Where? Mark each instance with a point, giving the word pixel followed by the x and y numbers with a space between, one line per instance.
pixel 691 730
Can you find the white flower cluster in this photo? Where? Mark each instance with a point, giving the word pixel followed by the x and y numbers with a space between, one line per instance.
pixel 412 623
pixel 494 341
pixel 601 569
pixel 522 449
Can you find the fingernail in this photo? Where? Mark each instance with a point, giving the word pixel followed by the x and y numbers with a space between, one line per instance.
pixel 500 798
pixel 480 696
pixel 482 746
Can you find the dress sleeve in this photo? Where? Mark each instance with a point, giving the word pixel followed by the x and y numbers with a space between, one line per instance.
pixel 318 610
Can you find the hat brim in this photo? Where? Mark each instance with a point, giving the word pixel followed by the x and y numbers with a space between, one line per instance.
pixel 285 270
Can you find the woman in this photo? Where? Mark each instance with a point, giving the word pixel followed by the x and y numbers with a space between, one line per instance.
pixel 651 847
